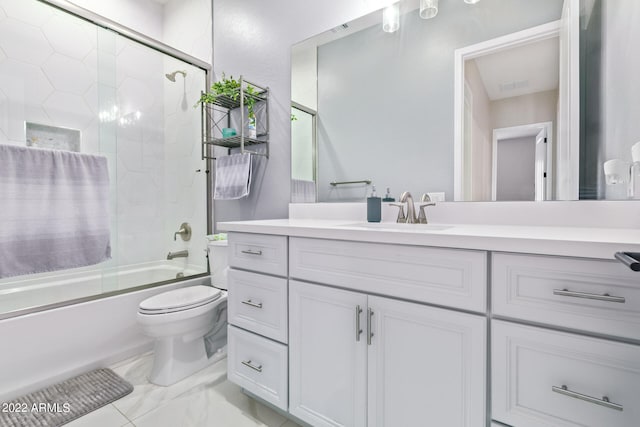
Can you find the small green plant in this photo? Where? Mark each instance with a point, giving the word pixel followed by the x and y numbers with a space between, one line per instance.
pixel 230 88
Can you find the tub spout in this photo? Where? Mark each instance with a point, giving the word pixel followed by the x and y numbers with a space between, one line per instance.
pixel 179 254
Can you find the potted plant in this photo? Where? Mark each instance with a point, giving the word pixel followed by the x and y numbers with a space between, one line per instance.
pixel 231 88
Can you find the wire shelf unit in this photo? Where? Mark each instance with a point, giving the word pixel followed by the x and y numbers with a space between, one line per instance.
pixel 231 111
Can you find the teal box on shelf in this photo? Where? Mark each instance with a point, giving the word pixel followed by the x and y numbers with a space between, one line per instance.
pixel 228 132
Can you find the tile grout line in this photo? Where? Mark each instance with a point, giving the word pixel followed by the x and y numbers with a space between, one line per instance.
pixel 121 413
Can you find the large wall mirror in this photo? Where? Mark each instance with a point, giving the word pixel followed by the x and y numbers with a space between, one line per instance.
pixel 490 100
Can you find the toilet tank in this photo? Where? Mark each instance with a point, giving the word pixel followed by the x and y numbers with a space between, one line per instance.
pixel 218 264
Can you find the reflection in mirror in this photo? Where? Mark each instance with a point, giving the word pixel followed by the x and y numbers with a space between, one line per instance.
pixel 488 101
pixel 303 157
pixel 506 109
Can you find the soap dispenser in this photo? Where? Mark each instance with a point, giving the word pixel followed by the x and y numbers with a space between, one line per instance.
pixel 374 206
pixel 387 197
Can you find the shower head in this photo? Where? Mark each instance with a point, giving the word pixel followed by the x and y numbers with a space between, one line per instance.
pixel 172 76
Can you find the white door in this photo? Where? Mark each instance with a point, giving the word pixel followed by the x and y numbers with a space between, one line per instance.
pixel 541 165
pixel 426 366
pixel 568 141
pixel 328 359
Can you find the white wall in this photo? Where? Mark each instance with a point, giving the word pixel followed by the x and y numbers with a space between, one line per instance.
pixel 182 24
pixel 187 27
pixel 526 109
pixel 144 16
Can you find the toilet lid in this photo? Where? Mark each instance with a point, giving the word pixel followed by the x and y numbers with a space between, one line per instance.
pixel 180 299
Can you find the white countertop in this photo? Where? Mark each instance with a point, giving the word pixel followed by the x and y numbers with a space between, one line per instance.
pixel 563 241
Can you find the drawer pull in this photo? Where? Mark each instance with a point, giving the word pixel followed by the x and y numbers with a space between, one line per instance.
pixel 602 402
pixel 358 329
pixel 369 330
pixel 252 366
pixel 253 304
pixel 251 252
pixel 605 297
pixel 630 259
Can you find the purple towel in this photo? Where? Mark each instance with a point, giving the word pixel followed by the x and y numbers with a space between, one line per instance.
pixel 54 210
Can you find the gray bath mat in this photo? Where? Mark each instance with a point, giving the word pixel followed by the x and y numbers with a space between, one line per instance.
pixel 64 402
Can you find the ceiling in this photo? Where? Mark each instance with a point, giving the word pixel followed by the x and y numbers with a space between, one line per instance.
pixel 521 70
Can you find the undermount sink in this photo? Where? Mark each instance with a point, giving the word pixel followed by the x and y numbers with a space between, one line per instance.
pixel 394 226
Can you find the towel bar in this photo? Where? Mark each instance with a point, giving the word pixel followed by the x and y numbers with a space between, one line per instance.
pixel 363 181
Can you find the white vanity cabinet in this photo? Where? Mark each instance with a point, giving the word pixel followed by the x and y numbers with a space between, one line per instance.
pixel 257 352
pixel 339 331
pixel 363 360
pixel 545 377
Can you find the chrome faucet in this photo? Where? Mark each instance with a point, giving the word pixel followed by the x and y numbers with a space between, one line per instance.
pixel 179 254
pixel 411 210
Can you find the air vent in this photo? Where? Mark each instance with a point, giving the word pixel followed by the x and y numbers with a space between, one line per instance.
pixel 507 87
pixel 339 28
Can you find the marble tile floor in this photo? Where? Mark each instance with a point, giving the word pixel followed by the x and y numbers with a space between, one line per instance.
pixel 201 400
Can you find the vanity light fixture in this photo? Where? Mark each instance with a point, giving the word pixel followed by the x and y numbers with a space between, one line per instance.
pixel 391 18
pixel 428 9
pixel 471 1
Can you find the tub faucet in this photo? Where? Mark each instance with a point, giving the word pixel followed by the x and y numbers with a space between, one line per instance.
pixel 411 209
pixel 179 254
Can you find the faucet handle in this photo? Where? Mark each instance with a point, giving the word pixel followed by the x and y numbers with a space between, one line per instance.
pixel 184 232
pixel 401 215
pixel 425 197
pixel 422 216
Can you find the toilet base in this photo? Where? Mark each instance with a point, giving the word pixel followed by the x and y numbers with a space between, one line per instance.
pixel 174 359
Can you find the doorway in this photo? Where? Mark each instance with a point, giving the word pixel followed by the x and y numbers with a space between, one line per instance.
pixel 521 166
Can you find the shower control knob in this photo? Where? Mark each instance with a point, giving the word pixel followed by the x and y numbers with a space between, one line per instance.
pixel 184 232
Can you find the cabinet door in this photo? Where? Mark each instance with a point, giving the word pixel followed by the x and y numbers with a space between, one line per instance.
pixel 557 379
pixel 426 366
pixel 327 366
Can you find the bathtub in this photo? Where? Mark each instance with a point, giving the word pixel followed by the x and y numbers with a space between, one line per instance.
pixel 47 290
pixel 44 347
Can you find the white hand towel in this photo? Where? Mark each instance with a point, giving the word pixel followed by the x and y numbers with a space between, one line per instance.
pixel 233 177
pixel 55 210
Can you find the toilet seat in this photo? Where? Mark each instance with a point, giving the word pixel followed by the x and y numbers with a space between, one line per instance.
pixel 179 300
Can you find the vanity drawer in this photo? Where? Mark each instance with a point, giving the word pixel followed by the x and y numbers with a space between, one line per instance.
pixel 594 295
pixel 547 378
pixel 259 365
pixel 448 277
pixel 258 252
pixel 258 303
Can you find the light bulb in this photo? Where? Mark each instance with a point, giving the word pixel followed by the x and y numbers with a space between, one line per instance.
pixel 391 18
pixel 471 1
pixel 428 8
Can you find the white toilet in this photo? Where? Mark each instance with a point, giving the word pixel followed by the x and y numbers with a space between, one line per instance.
pixel 188 324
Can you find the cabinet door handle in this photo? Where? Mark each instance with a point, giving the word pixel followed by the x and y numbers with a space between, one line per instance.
pixel 252 304
pixel 564 390
pixel 575 294
pixel 251 252
pixel 358 329
pixel 369 322
pixel 252 366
